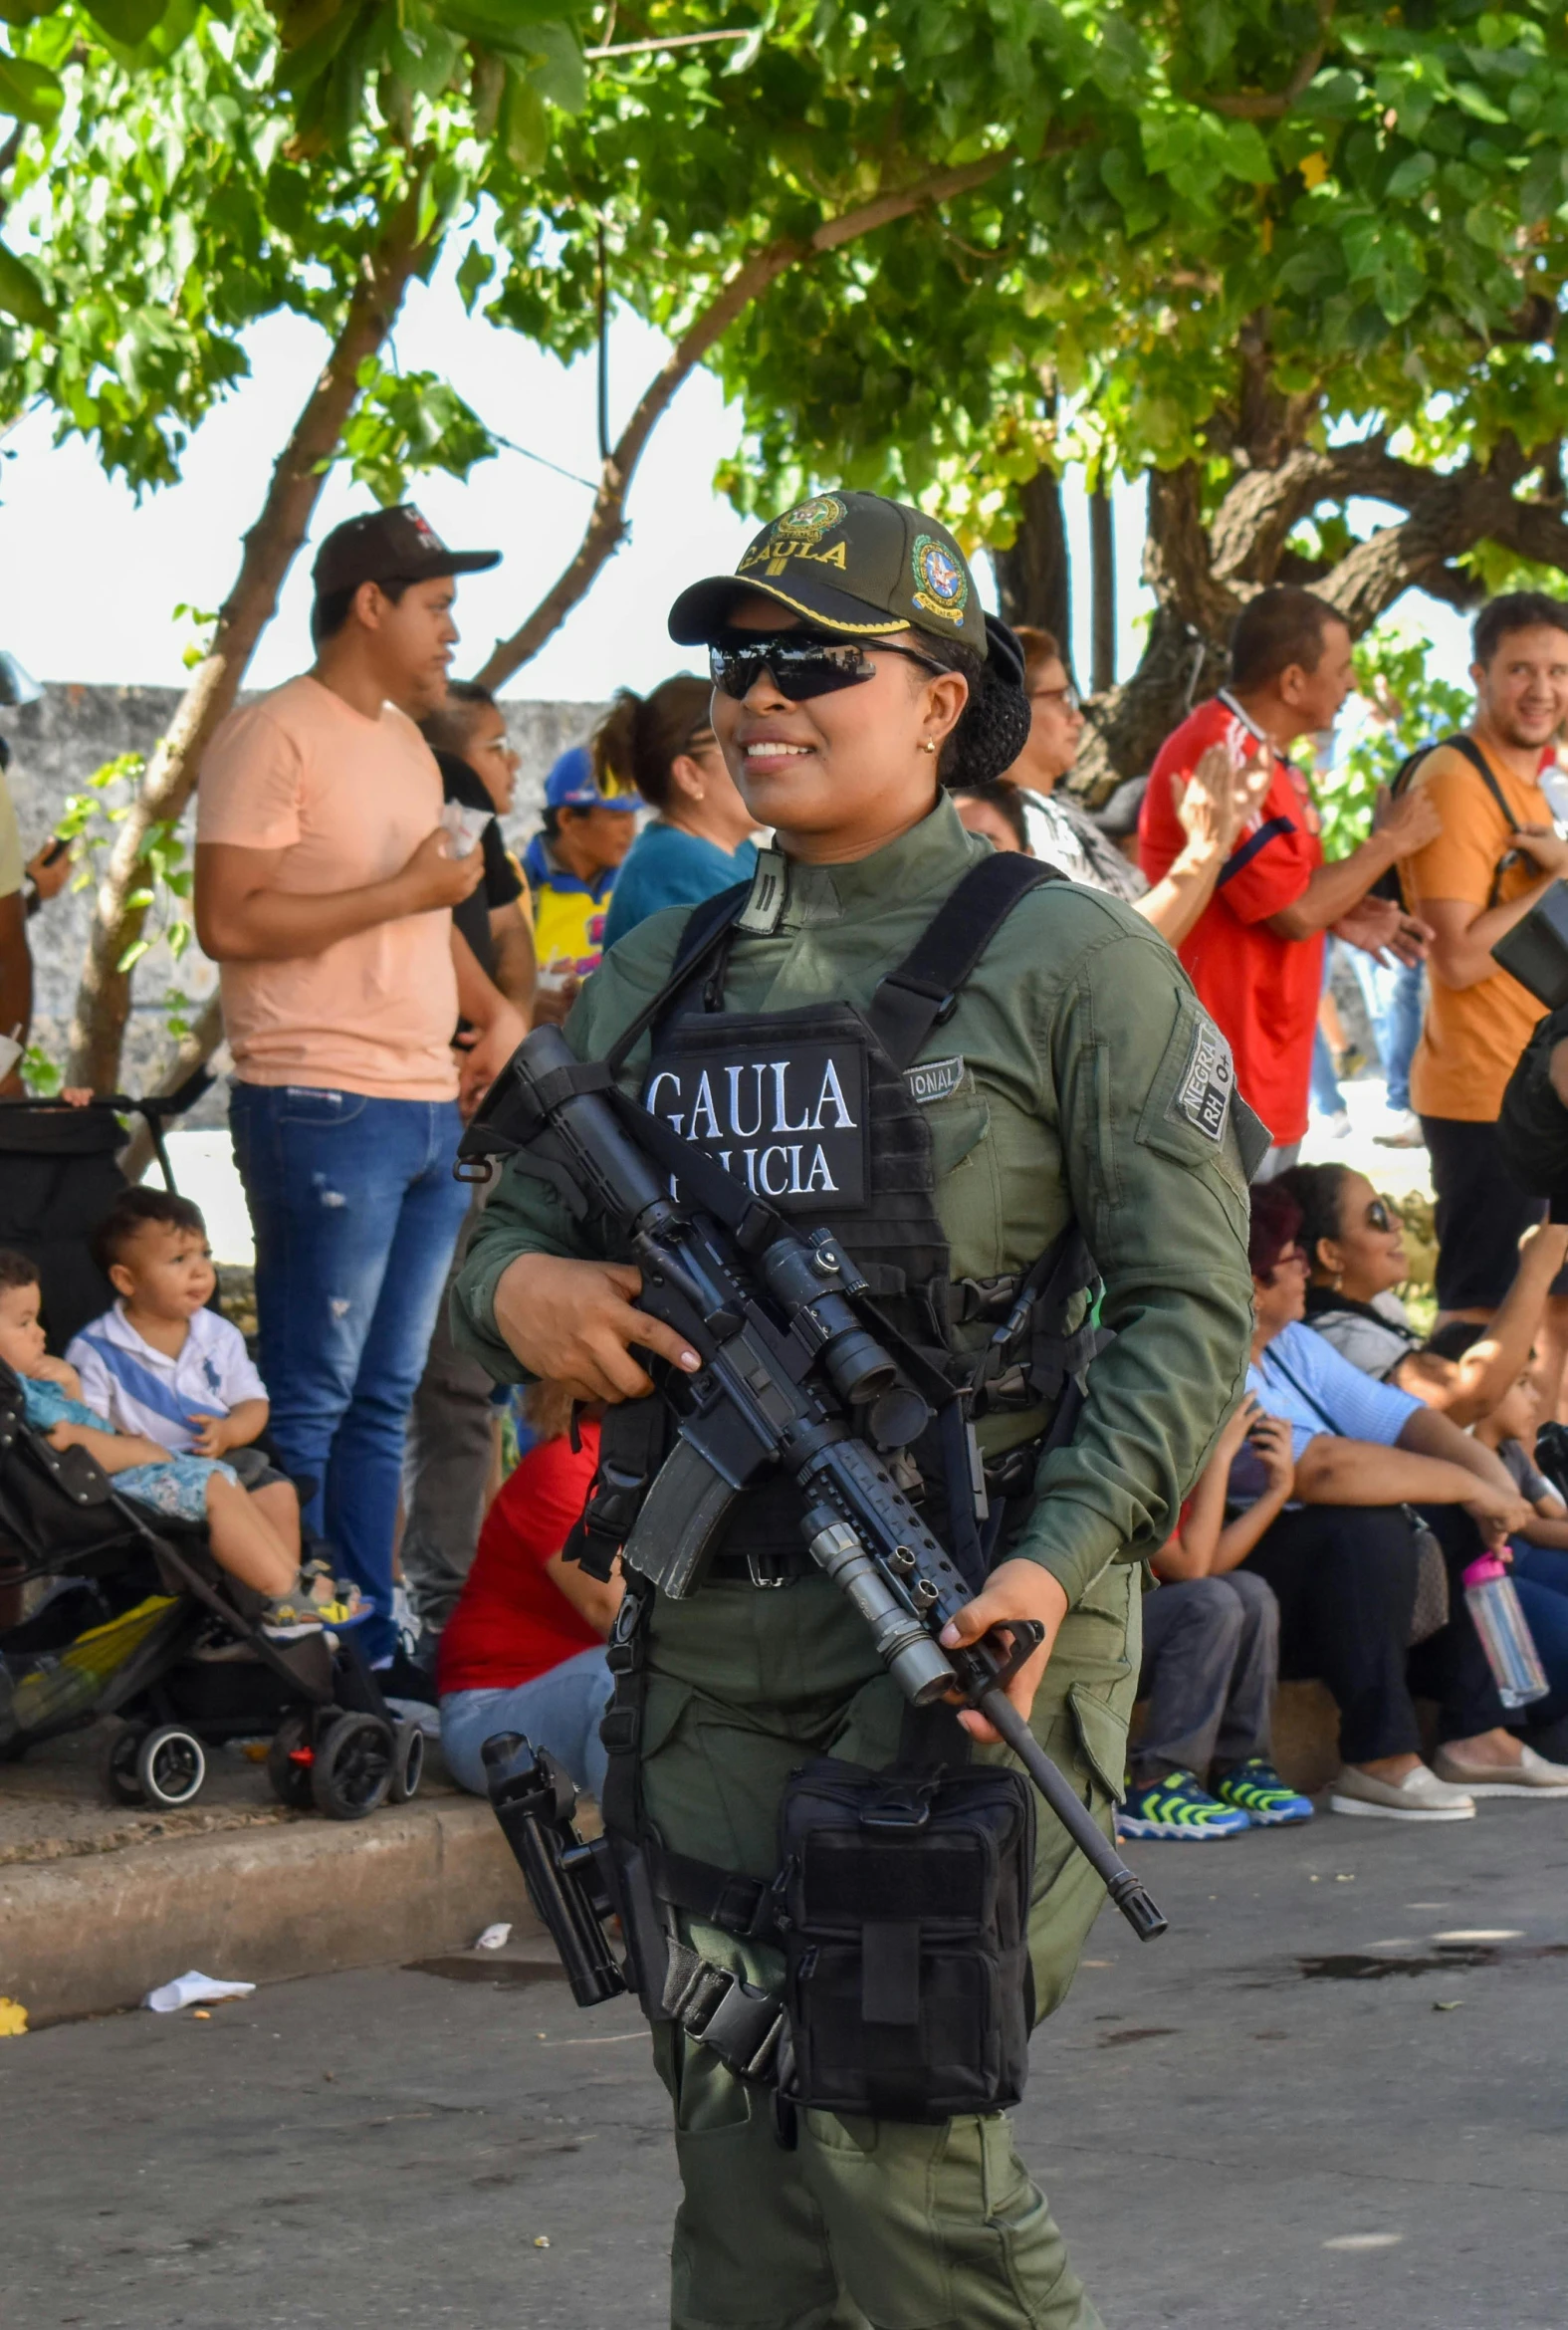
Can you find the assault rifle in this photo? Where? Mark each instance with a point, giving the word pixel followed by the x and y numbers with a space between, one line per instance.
pixel 791 1375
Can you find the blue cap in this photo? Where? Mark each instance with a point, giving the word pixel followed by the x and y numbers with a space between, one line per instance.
pixel 572 785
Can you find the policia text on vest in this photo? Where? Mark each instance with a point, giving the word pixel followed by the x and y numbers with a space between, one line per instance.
pixel 788 1361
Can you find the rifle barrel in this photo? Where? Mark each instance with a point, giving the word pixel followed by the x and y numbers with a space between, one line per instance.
pixel 1125 1890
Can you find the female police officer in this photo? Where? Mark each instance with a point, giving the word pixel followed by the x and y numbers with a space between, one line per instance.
pixel 953 1099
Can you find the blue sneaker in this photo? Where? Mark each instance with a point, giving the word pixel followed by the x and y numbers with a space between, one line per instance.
pixel 1178 1807
pixel 1255 1788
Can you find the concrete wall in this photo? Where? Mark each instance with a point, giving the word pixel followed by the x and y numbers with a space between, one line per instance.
pixel 56 746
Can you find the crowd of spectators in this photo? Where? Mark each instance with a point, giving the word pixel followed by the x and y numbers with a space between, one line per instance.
pixel 382 951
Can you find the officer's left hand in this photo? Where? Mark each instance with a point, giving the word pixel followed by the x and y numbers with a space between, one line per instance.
pixel 1015 1590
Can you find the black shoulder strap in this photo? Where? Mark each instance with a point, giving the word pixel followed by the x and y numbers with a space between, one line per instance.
pixel 1468 749
pixel 911 999
pixel 705 925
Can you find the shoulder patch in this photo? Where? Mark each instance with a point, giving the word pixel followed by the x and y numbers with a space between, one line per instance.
pixel 933 1079
pixel 1204 1093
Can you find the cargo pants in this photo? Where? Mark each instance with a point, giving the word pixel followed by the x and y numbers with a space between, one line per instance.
pixel 867 2225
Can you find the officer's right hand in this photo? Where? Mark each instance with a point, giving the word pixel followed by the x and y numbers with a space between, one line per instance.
pixel 572 1321
pixel 433 878
pixel 1018 1588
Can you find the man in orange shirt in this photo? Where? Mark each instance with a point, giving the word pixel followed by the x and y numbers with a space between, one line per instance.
pixel 1497 856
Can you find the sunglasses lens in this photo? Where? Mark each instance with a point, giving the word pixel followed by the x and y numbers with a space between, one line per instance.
pixel 1378 1216
pixel 801 668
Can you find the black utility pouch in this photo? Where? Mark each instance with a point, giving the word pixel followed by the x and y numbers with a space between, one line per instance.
pixel 907 1970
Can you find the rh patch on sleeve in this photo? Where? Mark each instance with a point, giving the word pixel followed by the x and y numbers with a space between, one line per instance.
pixel 1203 1096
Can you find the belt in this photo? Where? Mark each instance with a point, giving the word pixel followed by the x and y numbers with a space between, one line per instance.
pixel 780 1568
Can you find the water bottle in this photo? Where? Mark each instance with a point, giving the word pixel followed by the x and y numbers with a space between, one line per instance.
pixel 1509 1646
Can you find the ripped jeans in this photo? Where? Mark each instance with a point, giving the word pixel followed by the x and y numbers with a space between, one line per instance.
pixel 355 1214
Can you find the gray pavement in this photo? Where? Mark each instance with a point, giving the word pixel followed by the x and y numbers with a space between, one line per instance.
pixel 1333 2095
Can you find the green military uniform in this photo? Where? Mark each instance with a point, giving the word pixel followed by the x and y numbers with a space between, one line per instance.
pixel 1092 1086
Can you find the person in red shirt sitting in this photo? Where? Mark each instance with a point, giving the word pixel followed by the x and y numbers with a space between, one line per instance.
pixel 1256 953
pixel 524 1649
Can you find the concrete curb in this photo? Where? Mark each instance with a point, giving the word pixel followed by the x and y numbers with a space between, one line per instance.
pixel 94 1933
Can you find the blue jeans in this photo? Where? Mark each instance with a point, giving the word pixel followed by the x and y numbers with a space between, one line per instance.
pixel 356 1215
pixel 1540 1577
pixel 1394 997
pixel 560 1709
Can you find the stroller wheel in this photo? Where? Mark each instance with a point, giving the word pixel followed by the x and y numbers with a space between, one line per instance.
pixel 353 1771
pixel 117 1764
pixel 290 1759
pixel 408 1762
pixel 171 1764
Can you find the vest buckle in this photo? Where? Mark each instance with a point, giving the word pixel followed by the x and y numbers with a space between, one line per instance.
pixel 766 1574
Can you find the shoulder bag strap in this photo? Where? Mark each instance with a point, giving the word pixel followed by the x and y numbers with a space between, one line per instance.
pixel 707 925
pixel 912 1000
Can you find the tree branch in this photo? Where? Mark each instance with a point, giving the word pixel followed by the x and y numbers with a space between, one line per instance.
pixel 1255 516
pixel 606 527
pixel 102 1001
pixel 1473 505
pixel 8 153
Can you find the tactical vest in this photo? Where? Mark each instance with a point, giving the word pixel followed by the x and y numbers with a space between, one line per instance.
pixel 821 1109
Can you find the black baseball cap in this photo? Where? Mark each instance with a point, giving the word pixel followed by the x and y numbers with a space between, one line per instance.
pixel 390 545
pixel 855 566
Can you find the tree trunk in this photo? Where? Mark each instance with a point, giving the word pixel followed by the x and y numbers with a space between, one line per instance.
pixel 195 1052
pixel 1034 577
pixel 102 1004
pixel 1102 593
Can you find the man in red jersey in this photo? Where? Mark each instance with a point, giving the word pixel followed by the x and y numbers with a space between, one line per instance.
pixel 1255 954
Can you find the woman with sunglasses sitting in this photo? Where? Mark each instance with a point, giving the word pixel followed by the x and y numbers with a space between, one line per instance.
pixel 699 838
pixel 1372 1466
pixel 968 1072
pixel 1354 1242
pixel 1216 803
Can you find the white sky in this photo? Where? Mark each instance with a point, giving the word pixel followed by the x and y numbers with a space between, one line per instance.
pixel 95 579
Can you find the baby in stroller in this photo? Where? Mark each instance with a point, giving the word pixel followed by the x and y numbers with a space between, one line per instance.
pixel 255 1536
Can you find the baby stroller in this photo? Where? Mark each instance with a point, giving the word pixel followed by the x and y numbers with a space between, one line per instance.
pixel 140 1623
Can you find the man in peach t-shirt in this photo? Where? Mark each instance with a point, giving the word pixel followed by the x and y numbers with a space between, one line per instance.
pixel 324 885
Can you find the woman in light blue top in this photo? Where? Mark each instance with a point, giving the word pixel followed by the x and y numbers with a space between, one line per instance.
pixel 698 840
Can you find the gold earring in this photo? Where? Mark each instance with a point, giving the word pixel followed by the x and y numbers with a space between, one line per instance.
pixel 928 744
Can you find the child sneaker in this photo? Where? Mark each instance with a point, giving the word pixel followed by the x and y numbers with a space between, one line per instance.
pixel 1178 1807
pixel 1255 1788
pixel 318 1602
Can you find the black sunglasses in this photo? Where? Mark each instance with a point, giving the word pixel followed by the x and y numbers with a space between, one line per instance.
pixel 802 667
pixel 1379 1216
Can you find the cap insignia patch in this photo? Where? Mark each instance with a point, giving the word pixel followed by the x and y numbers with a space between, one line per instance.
pixel 797 534
pixel 940 584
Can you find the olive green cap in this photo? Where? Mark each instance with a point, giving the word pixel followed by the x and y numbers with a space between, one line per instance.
pixel 856 566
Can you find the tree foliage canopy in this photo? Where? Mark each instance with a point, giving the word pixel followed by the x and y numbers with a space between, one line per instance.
pixel 194 167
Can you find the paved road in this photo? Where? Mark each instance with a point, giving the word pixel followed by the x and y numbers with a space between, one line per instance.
pixel 1243 2127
